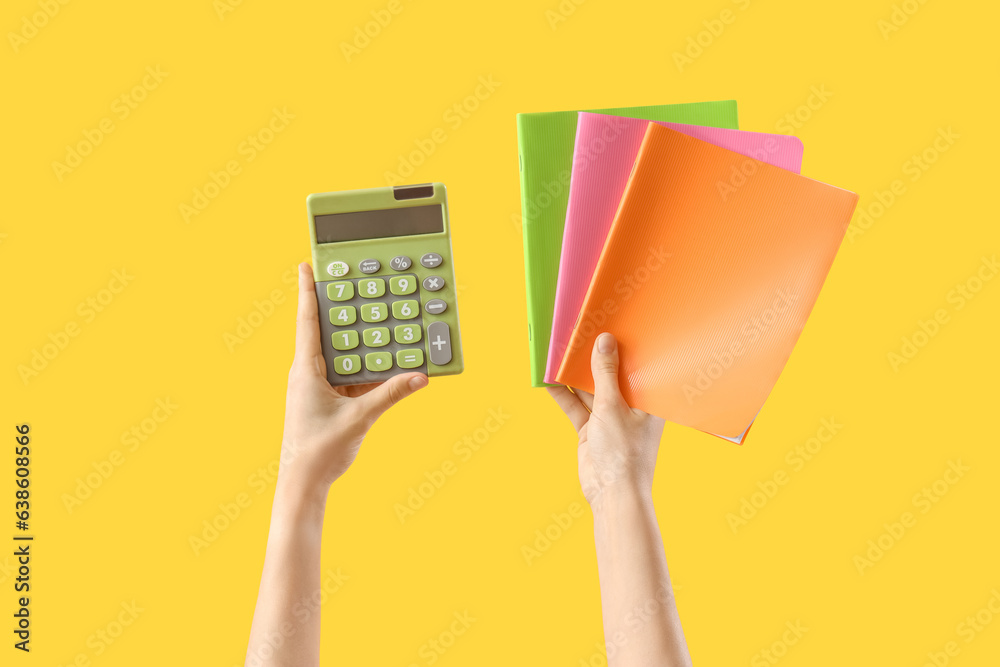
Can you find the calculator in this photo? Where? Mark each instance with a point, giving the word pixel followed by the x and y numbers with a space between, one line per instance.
pixel 385 282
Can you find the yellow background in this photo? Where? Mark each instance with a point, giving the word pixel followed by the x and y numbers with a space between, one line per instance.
pixel 163 335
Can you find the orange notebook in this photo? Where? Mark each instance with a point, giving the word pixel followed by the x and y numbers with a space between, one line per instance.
pixel 712 265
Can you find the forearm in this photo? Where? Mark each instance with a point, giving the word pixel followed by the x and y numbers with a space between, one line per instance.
pixel 641 625
pixel 285 629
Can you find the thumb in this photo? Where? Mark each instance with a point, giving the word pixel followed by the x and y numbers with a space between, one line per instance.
pixel 604 365
pixel 390 392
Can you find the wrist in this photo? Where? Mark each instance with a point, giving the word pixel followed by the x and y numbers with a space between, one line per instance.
pixel 298 501
pixel 618 500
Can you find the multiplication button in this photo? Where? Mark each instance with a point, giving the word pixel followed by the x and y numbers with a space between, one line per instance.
pixel 433 283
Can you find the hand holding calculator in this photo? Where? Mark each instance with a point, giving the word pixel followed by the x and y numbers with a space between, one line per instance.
pixel 385 283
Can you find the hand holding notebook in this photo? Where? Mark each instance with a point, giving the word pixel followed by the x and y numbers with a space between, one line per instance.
pixel 707 288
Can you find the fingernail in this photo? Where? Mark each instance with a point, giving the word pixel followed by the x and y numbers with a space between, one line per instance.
pixel 605 343
pixel 418 382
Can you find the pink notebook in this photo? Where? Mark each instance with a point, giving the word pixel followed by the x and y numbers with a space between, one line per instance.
pixel 606 148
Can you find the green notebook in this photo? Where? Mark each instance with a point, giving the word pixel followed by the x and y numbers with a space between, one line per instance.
pixel 545 143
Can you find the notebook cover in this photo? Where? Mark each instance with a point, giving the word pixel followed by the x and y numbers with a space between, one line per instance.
pixel 545 147
pixel 603 155
pixel 707 294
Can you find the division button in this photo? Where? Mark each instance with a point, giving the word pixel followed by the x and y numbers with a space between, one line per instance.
pixel 439 343
pixel 337 269
pixel 431 260
pixel 400 263
pixel 435 306
pixel 433 283
pixel 370 266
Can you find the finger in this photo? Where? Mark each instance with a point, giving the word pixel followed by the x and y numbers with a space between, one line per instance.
pixel 604 365
pixel 571 405
pixel 390 392
pixel 307 346
pixel 586 397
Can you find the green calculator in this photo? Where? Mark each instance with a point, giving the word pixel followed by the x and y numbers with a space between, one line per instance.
pixel 385 282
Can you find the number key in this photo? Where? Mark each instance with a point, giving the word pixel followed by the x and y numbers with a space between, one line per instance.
pixel 377 337
pixel 405 310
pixel 371 288
pixel 400 285
pixel 340 291
pixel 407 333
pixel 343 316
pixel 347 364
pixel 374 312
pixel 345 340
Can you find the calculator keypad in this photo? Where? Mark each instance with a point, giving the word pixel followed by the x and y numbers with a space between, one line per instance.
pixel 380 326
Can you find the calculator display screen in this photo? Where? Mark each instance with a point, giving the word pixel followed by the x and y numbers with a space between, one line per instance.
pixel 335 227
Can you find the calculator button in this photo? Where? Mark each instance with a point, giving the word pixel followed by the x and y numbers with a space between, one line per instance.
pixel 374 312
pixel 405 310
pixel 435 306
pixel 431 260
pixel 433 283
pixel 370 266
pixel 409 358
pixel 343 315
pixel 371 288
pixel 378 361
pixel 401 263
pixel 337 269
pixel 377 337
pixel 347 364
pixel 407 333
pixel 345 340
pixel 439 343
pixel 340 291
pixel 400 285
